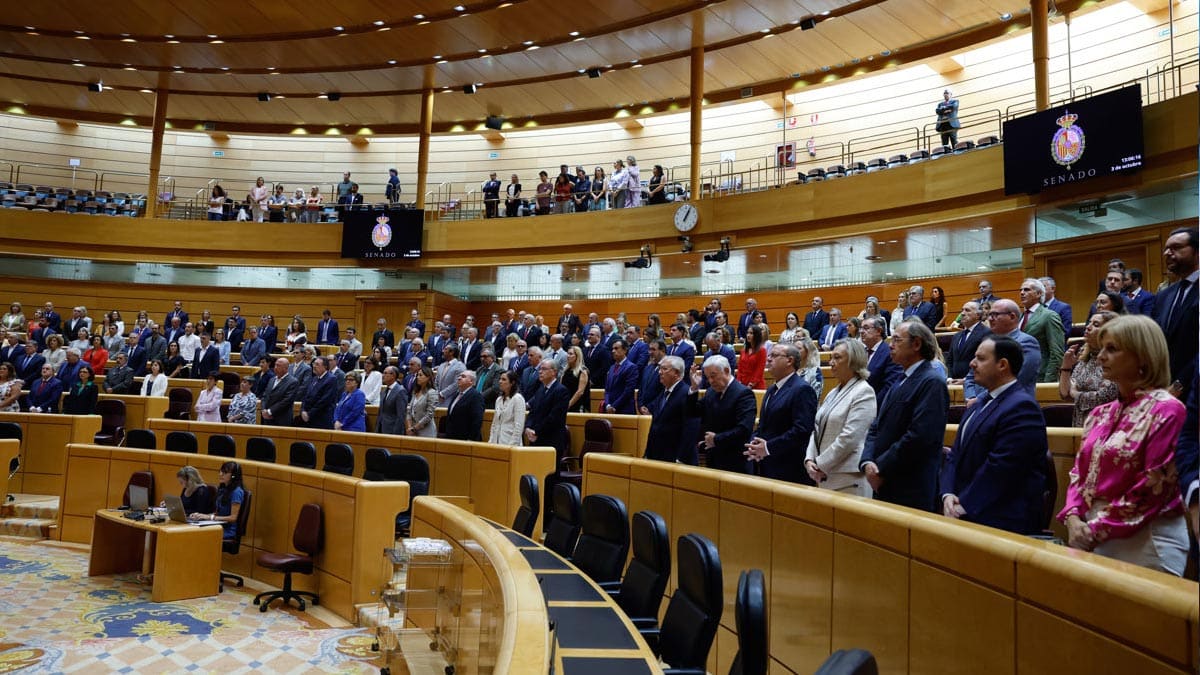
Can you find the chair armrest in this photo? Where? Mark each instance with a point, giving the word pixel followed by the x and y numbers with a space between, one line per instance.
pixel 651 636
pixel 610 587
pixel 644 623
pixel 568 463
pixel 684 671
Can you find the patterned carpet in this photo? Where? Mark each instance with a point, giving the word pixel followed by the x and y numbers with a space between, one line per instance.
pixel 57 619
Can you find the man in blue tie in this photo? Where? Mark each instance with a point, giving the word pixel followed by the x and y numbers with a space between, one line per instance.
pixel 650 385
pixel 995 473
pixel 621 383
pixel 815 320
pixel 904 445
pixel 786 420
pixel 726 415
pixel 253 349
pixel 680 346
pixel 835 330
pixel 327 329
pixel 673 432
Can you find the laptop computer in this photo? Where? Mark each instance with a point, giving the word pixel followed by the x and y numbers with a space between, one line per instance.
pixel 139 498
pixel 175 509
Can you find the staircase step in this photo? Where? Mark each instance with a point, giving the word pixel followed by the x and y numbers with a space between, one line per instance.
pixel 30 528
pixel 31 506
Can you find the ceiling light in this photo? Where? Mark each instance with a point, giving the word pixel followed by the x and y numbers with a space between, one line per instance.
pixel 529 49
pixel 216 42
pixel 224 67
pixel 172 42
pixel 280 96
pixel 128 40
pixel 418 17
pixel 459 8
pixel 169 37
pixel 1005 16
pixel 379 23
pixel 146 91
pixel 82 37
pixel 78 64
pixel 270 67
pixel 765 31
pixel 339 28
pixel 482 51
pixel 30 28
pixel 437 57
pixel 574 33
pixel 637 65
pixel 130 68
pixel 422 23
pixel 527 42
pixel 443 61
pixel 391 62
pixel 212 37
pixel 825 13
pixel 384 29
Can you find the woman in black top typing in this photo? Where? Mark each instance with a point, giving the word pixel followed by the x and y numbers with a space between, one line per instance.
pixel 193 491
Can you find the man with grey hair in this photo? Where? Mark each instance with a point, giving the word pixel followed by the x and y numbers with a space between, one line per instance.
pixel 1045 326
pixel 556 352
pixel 903 449
pixel 919 307
pixel 487 377
pixel 1004 317
pixel 113 341
pixel 726 415
pixel 965 342
pixel 471 347
pixel 785 423
pixel 393 404
pixel 529 377
pixel 464 409
pixel 673 432
pixel 119 379
pixel 985 292
pixel 447 371
pixel 1050 301
pixel 68 372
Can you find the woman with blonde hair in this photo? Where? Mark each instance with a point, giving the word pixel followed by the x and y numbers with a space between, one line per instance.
pixel 575 378
pixel 810 363
pixel 842 421
pixel 1123 499
pixel 193 491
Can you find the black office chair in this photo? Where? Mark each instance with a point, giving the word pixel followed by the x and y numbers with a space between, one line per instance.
pixel 303 455
pixel 181 441
pixel 12 430
pixel 140 479
pixel 690 624
pixel 260 449
pixel 140 438
pixel 564 527
pixel 339 458
pixel 527 513
pixel 750 615
pixel 413 469
pixel 603 540
pixel 1061 415
pixel 849 662
pixel 375 467
pixel 222 445
pixel 306 538
pixel 112 423
pixel 179 406
pixel 234 545
pixel 645 580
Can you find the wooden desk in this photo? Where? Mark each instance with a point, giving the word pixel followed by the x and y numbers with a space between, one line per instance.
pixel 187 559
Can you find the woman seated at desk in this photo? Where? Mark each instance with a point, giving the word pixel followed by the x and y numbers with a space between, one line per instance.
pixel 229 499
pixel 193 491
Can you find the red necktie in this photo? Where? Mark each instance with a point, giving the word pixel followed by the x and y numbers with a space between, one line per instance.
pixel 1024 319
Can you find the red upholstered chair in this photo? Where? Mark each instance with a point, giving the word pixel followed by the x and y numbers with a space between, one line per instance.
pixel 306 538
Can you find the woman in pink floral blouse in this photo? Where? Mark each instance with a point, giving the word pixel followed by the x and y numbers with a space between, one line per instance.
pixel 1123 499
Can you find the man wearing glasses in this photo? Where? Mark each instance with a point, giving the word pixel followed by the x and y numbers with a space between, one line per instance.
pixel 904 445
pixel 1004 318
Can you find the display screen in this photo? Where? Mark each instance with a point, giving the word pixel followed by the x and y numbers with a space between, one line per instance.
pixel 382 234
pixel 1074 142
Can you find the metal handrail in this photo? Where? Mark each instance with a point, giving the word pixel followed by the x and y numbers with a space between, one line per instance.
pixel 137 174
pixel 905 133
pixel 11 168
pixel 74 170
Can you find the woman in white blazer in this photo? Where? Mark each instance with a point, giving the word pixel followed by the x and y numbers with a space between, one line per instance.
pixel 155 382
pixel 836 444
pixel 508 424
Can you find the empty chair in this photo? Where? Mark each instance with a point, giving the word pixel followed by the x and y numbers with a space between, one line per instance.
pixel 956 414
pixel 179 404
pixel 1059 415
pixel 646 577
pixel 229 383
pixel 527 513
pixel 376 464
pixel 182 441
pixel 339 458
pixel 140 438
pixel 750 617
pixel 260 449
pixel 597 437
pixel 963 146
pixel 690 623
pixel 801 178
pixel 817 174
pixel 835 171
pixel 563 530
pixel 112 422
pixel 986 141
pixel 897 160
pixel 940 151
pixel 849 662
pixel 855 168
pixel 234 544
pixel 307 539
pixel 140 479
pixel 222 445
pixel 303 455
pixel 413 469
pixel 877 164
pixel 603 540
pixel 1049 494
pixel 918 156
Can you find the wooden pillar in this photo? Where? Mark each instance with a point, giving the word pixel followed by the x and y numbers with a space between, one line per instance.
pixel 157 131
pixel 697 99
pixel 423 139
pixel 1039 20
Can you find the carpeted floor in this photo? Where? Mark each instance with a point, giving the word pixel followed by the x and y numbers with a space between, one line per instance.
pixel 57 619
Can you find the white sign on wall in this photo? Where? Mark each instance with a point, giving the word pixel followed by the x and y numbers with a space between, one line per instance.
pixel 74 161
pixel 729 156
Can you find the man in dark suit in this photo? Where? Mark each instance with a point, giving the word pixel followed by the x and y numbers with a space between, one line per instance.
pixel 68 372
pixel 346 360
pixel 30 365
pixel 487 377
pixel 1004 316
pixel 77 321
pixel 53 318
pixel 44 392
pixel 571 319
pixel 597 358
pixel 137 356
pixel 832 332
pixel 207 360
pixel 41 334
pixel 239 326
pixel 919 307
pixel 748 318
pixel 650 384
pixel 1137 299
pixel 726 415
pixel 717 348
pixel 815 320
pixel 279 396
pixel 1176 307
pixel 464 410
pixel 327 329
pixel 884 372
pixel 176 313
pixel 904 444
pixel 1061 308
pixel 681 347
pixel 253 349
pixel 12 349
pixel 156 344
pixel 638 349
pixel 673 431
pixel 786 420
pixel 621 383
pixel 416 322
pixel 381 330
pixel 175 330
pixel 119 378
pixel 546 423
pixel 393 404
pixel 996 470
pixel 472 348
pixel 966 341
pixel 320 396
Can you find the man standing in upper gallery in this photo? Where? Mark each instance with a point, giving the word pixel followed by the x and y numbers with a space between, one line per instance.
pixel 904 444
pixel 491 196
pixel 786 420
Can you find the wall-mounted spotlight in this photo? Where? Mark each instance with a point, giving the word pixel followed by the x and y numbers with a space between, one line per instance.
pixel 264 97
pixel 808 24
pixel 593 73
pixel 468 89
pixel 95 86
pixel 685 244
pixel 720 256
pixel 644 261
pixel 334 96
